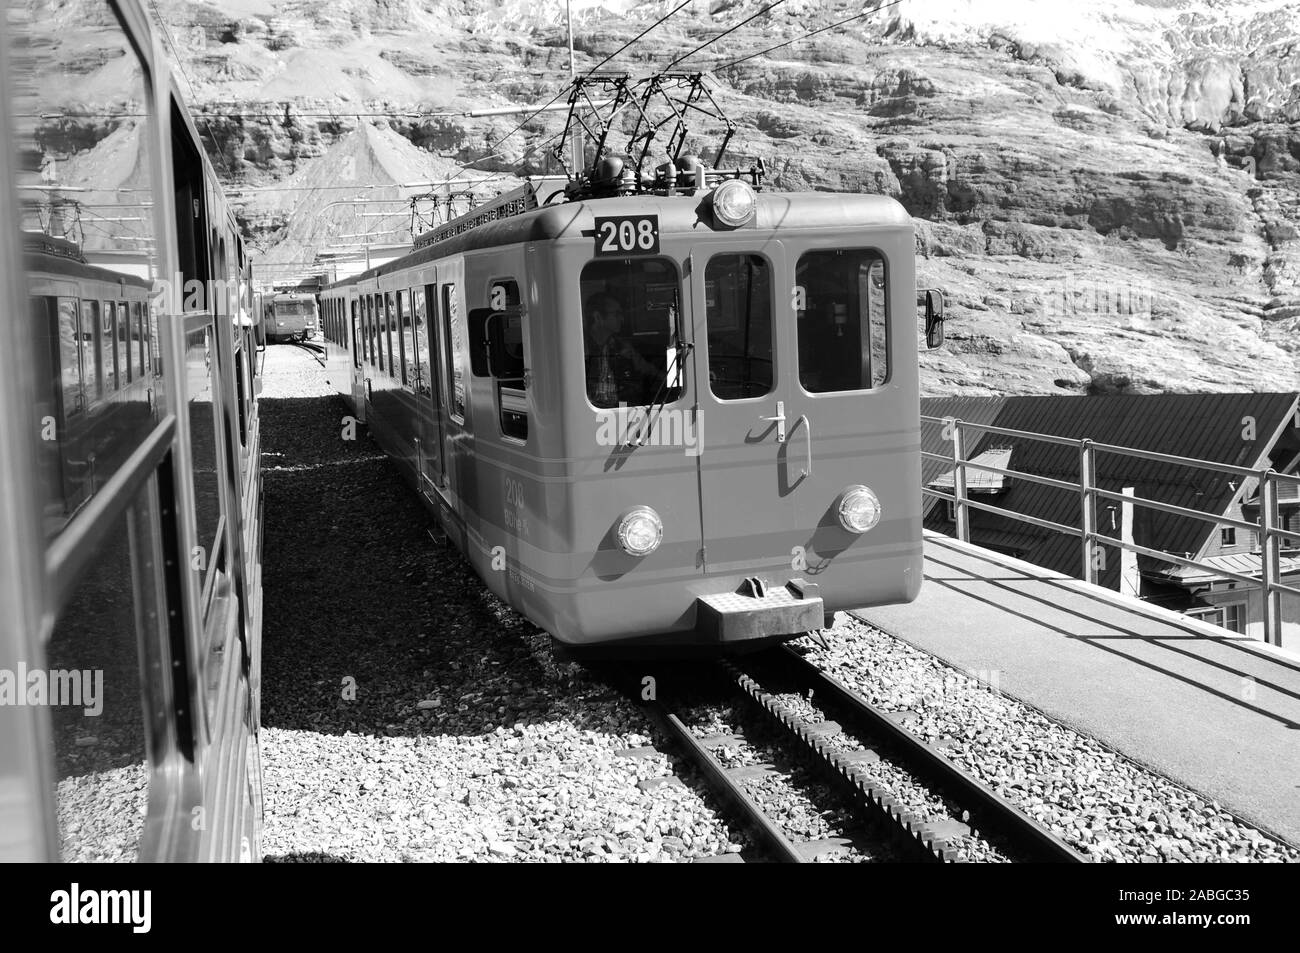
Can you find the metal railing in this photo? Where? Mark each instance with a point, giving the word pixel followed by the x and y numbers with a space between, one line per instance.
pixel 1091 541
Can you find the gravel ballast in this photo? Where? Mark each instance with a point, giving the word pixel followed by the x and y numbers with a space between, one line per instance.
pixel 1103 804
pixel 408 714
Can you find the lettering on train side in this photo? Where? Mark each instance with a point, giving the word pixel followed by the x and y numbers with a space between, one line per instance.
pixel 516 509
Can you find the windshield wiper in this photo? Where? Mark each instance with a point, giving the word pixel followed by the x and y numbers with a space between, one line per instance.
pixel 656 405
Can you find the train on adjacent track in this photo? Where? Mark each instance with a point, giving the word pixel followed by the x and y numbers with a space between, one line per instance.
pixel 289 316
pixel 667 414
pixel 130 485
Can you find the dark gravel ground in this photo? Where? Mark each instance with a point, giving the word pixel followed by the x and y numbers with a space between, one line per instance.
pixel 407 714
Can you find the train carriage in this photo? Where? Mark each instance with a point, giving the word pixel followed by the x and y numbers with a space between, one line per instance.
pixel 745 464
pixel 130 486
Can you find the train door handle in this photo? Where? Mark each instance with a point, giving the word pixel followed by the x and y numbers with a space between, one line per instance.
pixel 807 425
pixel 780 421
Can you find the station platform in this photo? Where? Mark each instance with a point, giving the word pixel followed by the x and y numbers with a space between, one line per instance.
pixel 1216 712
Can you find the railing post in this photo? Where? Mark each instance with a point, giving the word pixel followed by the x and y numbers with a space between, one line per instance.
pixel 1088 504
pixel 959 482
pixel 1270 557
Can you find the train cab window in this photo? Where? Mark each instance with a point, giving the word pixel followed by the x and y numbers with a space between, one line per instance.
pixel 841 327
pixel 738 298
pixel 454 335
pixel 630 331
pixel 420 339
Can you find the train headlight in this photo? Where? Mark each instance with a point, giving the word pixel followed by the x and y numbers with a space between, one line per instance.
pixel 640 531
pixel 734 203
pixel 859 509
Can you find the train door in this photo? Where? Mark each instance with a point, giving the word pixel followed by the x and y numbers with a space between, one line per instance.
pixel 429 436
pixel 360 354
pixel 754 446
pixel 453 330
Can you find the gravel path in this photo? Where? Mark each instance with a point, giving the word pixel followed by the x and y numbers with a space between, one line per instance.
pixel 1103 804
pixel 409 715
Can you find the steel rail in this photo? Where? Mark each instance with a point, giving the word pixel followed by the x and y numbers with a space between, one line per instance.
pixel 982 801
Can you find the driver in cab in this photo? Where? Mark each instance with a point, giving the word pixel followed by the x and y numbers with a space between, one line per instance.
pixel 615 368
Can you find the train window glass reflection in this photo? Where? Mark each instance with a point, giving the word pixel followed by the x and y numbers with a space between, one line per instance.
pixel 842 327
pixel 390 319
pixel 203 440
pixel 123 343
pixel 142 341
pixel 630 311
pixel 71 356
pixel 90 342
pixel 738 296
pixel 108 332
pixel 356 337
pixel 454 335
pixel 85 201
pixel 106 634
pixel 405 347
pixel 420 337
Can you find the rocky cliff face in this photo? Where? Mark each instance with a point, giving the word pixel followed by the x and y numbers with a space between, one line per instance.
pixel 1107 191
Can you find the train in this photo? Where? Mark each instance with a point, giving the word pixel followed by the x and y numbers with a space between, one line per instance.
pixel 659 415
pixel 289 316
pixel 130 485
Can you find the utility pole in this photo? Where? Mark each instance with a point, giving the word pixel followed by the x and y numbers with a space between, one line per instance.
pixel 573 75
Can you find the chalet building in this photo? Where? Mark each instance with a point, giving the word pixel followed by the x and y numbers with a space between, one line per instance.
pixel 1255 431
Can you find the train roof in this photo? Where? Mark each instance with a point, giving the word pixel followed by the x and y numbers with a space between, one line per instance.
pixel 679 214
pixel 57 256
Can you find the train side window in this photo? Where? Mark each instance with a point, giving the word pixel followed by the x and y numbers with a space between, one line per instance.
pixel 390 318
pixel 107 339
pixel 454 327
pixel 738 299
pixel 93 366
pixel 842 327
pixel 109 631
pixel 405 346
pixel 123 342
pixel 72 357
pixel 630 309
pixel 377 329
pixel 420 340
pixel 142 340
pixel 356 344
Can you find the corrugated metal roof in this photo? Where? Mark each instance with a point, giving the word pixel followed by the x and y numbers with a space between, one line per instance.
pixel 1209 427
pixel 1245 564
pixel 976 479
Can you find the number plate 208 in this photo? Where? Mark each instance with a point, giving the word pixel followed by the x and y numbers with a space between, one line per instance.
pixel 627 235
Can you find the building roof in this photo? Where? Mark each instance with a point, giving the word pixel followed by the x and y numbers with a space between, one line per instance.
pixel 1209 427
pixel 977 480
pixel 1244 564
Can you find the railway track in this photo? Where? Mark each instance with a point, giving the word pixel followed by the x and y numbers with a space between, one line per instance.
pixel 317 351
pixel 794 701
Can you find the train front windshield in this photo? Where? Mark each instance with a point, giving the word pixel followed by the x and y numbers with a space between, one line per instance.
pixel 630 331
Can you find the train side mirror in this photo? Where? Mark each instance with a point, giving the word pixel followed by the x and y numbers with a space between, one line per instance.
pixel 934 318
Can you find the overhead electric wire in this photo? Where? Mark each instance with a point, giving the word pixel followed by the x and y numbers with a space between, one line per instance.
pixel 830 26
pixel 708 43
pixel 586 75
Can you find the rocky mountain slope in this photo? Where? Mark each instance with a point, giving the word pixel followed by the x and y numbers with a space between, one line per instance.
pixel 1108 191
